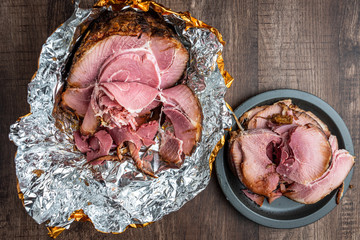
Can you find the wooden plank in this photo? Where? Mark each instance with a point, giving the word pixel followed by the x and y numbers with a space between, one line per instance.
pixel 349 92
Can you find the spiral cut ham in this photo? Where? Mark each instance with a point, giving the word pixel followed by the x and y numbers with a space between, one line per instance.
pixel 127 67
pixel 286 151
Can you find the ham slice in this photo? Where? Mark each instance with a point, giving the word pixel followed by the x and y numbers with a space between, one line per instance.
pixel 132 66
pixel 90 121
pixel 133 96
pixel 77 99
pixel 307 156
pixel 258 199
pixel 172 59
pixel 147 132
pixel 171 149
pixel 260 118
pixel 183 98
pixel 94 147
pixel 183 110
pixel 311 193
pixel 258 173
pixel 183 128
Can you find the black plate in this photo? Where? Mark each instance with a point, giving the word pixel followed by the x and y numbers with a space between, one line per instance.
pixel 283 212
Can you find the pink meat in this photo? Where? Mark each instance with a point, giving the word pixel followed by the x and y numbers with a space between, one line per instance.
pixel 307 156
pixel 90 122
pixel 170 149
pixel 260 119
pixel 171 57
pixel 236 158
pixel 184 130
pixel 81 142
pixel 125 134
pixel 258 171
pixel 95 146
pixel 249 114
pixel 100 146
pixel 132 66
pixel 333 143
pixel 258 199
pixel 184 99
pixel 147 132
pixel 151 106
pixel 85 71
pixel 77 99
pixel 132 96
pixel 340 167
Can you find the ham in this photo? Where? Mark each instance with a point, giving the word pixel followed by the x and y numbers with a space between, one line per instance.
pixel 121 82
pixel 90 121
pixel 258 173
pixel 307 155
pixel 118 41
pixel 94 147
pixel 302 162
pixel 182 108
pixel 132 96
pixel 132 66
pixel 313 192
pixel 77 99
pixel 171 149
pixel 147 132
pixel 183 128
pixel 260 118
pixel 258 199
pixel 183 98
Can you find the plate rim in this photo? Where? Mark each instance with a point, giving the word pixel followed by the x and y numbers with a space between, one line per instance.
pixel 220 164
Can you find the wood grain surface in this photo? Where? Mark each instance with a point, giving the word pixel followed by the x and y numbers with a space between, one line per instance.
pixel 308 45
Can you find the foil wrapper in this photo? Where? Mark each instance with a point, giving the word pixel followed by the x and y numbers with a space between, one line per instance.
pixel 54 185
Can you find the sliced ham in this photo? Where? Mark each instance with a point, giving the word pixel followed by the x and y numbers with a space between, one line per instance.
pixel 77 99
pixel 182 108
pixel 306 158
pixel 132 66
pixel 132 96
pixel 171 57
pixel 90 122
pixel 184 130
pixel 236 158
pixel 258 199
pixel 249 114
pixel 94 147
pixel 257 170
pixel 147 132
pixel 81 142
pixel 171 149
pixel 340 167
pixel 308 155
pixel 260 118
pixel 184 99
pixel 117 32
pixel 125 134
pixel 309 117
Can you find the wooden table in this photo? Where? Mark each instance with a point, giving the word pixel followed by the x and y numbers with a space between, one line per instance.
pixel 308 45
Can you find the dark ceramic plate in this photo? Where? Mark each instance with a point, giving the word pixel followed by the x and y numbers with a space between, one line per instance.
pixel 283 212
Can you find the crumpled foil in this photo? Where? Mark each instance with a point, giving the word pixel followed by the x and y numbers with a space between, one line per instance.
pixel 52 178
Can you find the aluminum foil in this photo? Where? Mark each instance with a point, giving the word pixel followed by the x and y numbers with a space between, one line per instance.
pixel 50 170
